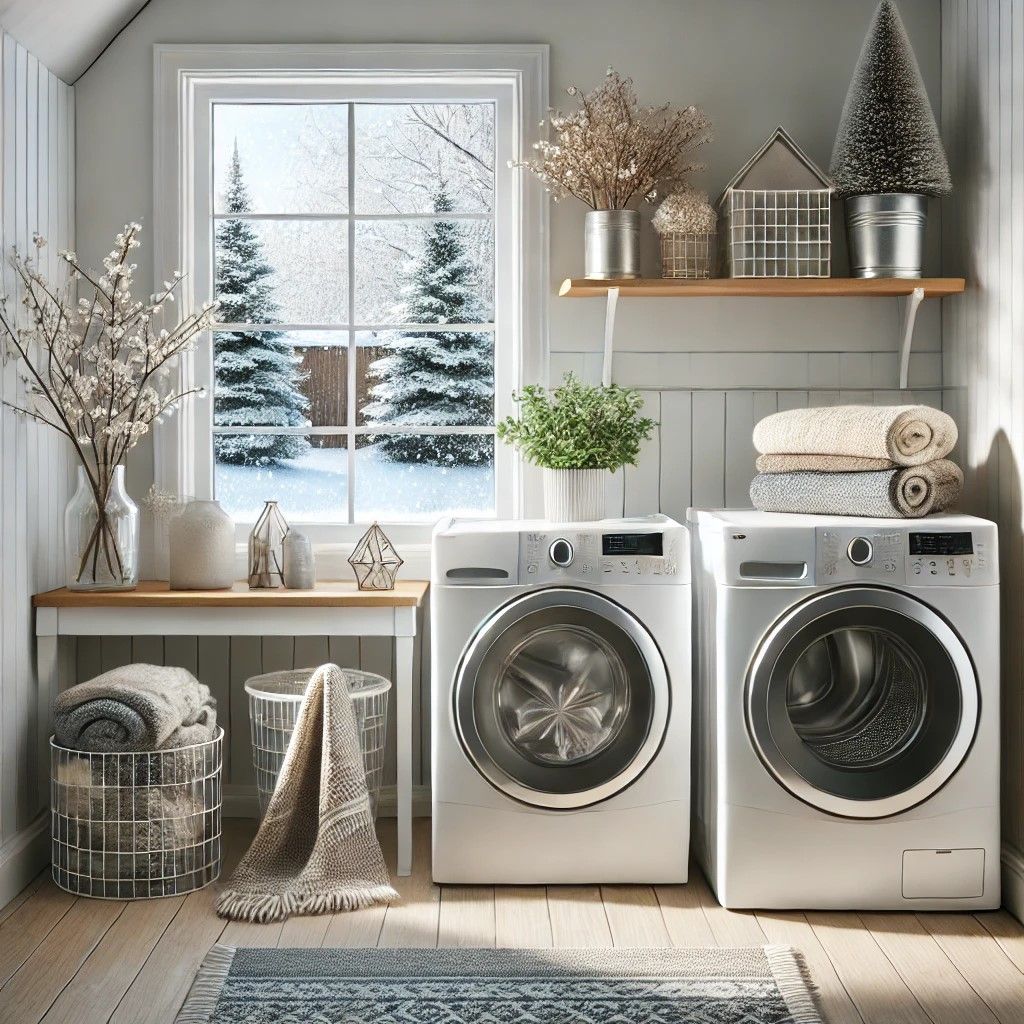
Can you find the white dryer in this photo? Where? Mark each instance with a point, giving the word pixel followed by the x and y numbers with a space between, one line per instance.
pixel 847 676
pixel 560 701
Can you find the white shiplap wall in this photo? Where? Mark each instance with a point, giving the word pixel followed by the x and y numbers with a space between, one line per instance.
pixel 37 196
pixel 983 331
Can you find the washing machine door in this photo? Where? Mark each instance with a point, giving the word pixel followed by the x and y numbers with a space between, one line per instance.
pixel 862 701
pixel 561 699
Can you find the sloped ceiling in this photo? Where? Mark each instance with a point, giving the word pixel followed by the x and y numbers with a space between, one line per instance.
pixel 66 35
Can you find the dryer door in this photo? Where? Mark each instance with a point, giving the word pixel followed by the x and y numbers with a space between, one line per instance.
pixel 862 701
pixel 561 699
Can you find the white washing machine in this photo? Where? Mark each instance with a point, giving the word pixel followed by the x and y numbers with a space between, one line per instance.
pixel 560 701
pixel 847 677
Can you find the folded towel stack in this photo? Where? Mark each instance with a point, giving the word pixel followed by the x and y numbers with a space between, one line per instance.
pixel 861 460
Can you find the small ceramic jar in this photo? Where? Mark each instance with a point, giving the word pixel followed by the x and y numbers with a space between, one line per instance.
pixel 202 548
pixel 299 564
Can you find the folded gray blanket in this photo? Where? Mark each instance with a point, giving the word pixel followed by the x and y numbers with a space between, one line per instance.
pixel 135 707
pixel 906 493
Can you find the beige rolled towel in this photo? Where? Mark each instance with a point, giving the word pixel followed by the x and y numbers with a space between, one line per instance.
pixel 821 464
pixel 933 487
pixel 907 435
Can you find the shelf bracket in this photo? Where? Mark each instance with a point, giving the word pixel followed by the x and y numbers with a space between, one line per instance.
pixel 910 308
pixel 609 335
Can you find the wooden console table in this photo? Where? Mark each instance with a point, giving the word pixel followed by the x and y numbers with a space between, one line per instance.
pixel 332 609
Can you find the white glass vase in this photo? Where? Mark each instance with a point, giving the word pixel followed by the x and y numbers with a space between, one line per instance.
pixel 101 547
pixel 202 548
pixel 574 495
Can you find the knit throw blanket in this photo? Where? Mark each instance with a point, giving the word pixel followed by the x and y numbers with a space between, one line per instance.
pixel 316 850
pixel 897 493
pixel 135 708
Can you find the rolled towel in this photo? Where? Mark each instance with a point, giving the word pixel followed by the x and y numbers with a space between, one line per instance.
pixel 135 707
pixel 820 464
pixel 906 493
pixel 906 435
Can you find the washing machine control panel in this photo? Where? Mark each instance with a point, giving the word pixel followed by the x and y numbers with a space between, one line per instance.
pixel 597 556
pixel 918 557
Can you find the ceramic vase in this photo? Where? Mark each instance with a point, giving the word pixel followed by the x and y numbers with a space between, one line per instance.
pixel 266 549
pixel 202 548
pixel 299 563
pixel 101 546
pixel 574 495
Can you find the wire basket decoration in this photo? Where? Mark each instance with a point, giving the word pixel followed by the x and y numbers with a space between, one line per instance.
pixel 375 560
pixel 778 233
pixel 136 825
pixel 687 254
pixel 274 702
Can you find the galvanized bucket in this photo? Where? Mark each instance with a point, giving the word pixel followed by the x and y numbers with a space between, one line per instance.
pixel 612 244
pixel 886 234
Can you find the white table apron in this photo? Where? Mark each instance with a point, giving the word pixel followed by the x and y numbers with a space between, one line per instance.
pixel 397 622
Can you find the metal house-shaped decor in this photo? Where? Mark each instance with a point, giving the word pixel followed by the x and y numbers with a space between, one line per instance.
pixel 777 213
pixel 375 561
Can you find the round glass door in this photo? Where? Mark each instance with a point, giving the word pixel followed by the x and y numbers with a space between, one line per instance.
pixel 862 702
pixel 561 699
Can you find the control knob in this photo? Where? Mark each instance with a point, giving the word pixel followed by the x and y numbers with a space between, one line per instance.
pixel 860 551
pixel 560 552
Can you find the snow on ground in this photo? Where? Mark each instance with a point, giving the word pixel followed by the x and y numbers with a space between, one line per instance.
pixel 314 488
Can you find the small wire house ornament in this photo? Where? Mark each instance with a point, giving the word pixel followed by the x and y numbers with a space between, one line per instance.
pixel 375 561
pixel 777 214
pixel 266 549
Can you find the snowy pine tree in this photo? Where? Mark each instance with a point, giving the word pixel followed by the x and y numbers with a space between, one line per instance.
pixel 438 378
pixel 888 140
pixel 257 376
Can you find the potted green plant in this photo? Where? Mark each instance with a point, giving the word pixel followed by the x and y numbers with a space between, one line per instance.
pixel 577 433
pixel 888 157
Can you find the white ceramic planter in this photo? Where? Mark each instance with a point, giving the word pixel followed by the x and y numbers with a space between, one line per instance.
pixel 202 548
pixel 574 495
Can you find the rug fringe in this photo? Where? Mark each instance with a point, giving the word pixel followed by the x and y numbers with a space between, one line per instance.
pixel 789 968
pixel 266 907
pixel 203 996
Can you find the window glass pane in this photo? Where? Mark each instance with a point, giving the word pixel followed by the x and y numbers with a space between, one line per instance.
pixel 418 478
pixel 291 157
pixel 404 151
pixel 280 379
pixel 424 272
pixel 308 475
pixel 442 379
pixel 282 271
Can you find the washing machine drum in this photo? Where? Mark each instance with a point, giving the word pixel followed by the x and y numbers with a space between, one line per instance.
pixel 862 702
pixel 561 699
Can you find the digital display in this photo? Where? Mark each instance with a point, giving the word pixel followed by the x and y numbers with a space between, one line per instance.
pixel 941 544
pixel 631 544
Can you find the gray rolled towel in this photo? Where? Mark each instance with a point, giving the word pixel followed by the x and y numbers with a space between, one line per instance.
pixel 906 493
pixel 906 435
pixel 135 707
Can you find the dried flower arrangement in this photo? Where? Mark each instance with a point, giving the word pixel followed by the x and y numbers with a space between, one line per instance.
pixel 686 210
pixel 611 151
pixel 95 368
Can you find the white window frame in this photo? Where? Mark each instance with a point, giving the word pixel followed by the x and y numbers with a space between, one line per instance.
pixel 189 79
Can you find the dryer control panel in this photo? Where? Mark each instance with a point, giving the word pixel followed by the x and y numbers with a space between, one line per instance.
pixel 912 554
pixel 596 555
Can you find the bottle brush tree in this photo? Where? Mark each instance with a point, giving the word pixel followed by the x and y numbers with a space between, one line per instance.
pixel 888 140
pixel 256 373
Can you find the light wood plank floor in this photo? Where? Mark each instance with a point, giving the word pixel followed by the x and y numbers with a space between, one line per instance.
pixel 80 961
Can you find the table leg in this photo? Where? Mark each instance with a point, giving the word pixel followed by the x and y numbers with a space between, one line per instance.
pixel 403 728
pixel 47 682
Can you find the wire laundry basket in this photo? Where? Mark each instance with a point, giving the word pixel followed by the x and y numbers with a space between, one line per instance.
pixel 274 702
pixel 136 825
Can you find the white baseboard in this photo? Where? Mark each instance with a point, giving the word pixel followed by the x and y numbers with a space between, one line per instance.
pixel 23 856
pixel 1013 880
pixel 242 802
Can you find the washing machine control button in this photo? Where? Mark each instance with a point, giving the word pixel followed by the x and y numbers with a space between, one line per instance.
pixel 560 552
pixel 860 551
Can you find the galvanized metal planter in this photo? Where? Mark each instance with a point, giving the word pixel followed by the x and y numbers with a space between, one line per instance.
pixel 886 234
pixel 612 244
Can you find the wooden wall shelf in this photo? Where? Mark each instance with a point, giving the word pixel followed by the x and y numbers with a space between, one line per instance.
pixel 764 287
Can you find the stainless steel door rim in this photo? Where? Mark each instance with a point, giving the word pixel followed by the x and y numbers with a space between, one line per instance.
pixel 927 756
pixel 615 764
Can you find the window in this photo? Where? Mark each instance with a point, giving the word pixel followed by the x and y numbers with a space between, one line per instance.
pixel 367 242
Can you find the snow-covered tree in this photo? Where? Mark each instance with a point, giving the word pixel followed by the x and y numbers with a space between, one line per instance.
pixel 888 140
pixel 256 373
pixel 439 377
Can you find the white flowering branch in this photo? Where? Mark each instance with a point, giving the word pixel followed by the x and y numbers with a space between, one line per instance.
pixel 611 151
pixel 96 368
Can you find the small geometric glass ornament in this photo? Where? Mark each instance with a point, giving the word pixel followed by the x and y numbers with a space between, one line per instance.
pixel 266 549
pixel 375 561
